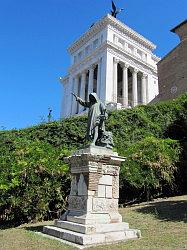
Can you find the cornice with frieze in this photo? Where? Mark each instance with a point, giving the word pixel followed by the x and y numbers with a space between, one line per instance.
pixel 134 37
pixel 155 58
pixel 95 56
pixel 132 63
pixel 101 48
pixel 87 35
pixel 116 24
pixel 128 39
pixel 118 51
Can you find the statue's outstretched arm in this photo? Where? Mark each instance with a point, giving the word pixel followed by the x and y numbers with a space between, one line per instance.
pixel 82 102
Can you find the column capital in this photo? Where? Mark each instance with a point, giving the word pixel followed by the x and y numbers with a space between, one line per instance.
pixel 84 72
pixel 116 60
pixel 92 67
pixel 76 77
pixel 134 70
pixel 96 62
pixel 144 76
pixel 99 60
pixel 125 65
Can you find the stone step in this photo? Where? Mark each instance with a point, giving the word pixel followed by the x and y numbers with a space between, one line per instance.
pixel 91 239
pixel 90 229
pixel 93 218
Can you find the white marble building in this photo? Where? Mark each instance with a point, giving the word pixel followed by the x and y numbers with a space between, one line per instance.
pixel 114 61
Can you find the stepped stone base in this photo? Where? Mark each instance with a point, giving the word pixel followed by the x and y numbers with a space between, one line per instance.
pixel 92 216
pixel 111 234
pixel 90 229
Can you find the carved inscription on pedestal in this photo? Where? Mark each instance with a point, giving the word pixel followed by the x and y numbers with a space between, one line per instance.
pixel 105 205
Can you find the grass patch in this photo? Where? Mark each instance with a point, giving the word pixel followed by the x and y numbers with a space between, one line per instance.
pixel 163 224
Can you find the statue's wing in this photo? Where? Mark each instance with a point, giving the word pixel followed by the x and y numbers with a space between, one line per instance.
pixel 113 6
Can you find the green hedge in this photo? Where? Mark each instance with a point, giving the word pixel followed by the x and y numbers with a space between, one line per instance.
pixel 150 164
pixel 34 180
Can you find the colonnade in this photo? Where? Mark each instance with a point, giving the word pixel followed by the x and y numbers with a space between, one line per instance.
pixel 90 80
pixel 125 84
pixel 83 85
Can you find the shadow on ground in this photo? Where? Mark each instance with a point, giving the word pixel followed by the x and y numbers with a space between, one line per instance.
pixel 8 225
pixel 167 210
pixel 35 228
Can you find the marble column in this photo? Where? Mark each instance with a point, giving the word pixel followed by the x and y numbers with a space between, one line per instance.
pixel 75 90
pixel 70 97
pixel 82 92
pixel 125 85
pixel 103 78
pixel 134 87
pixel 143 89
pixel 65 99
pixel 115 81
pixel 90 80
pixel 98 78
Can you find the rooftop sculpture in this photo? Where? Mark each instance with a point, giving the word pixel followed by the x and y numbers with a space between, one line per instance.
pixel 114 10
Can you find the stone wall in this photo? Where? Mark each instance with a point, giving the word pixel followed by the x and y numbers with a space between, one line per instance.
pixel 172 73
pixel 172 69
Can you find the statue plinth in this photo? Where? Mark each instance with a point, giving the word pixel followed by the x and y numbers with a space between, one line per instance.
pixel 92 216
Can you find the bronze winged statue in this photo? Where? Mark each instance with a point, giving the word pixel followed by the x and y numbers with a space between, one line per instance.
pixel 114 10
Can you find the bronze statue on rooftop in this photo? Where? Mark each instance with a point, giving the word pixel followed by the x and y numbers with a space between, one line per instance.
pixel 114 10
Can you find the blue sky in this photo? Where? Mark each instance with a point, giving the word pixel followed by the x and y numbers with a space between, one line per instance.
pixel 35 34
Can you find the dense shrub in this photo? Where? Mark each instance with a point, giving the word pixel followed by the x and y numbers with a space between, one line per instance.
pixel 34 179
pixel 150 164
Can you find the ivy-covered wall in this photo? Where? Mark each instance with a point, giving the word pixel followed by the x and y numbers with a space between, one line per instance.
pixel 34 180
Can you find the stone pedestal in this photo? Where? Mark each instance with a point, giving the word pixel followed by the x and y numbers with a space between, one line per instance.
pixel 92 216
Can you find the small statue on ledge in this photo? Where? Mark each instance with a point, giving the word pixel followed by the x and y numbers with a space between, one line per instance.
pixel 96 121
